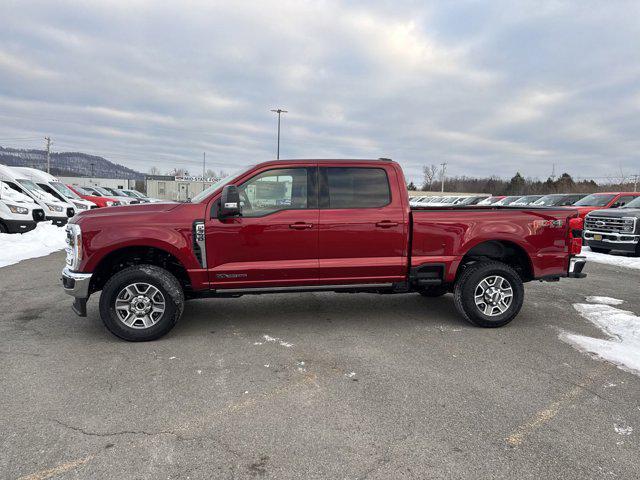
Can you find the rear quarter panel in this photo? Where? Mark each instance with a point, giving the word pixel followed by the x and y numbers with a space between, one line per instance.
pixel 446 235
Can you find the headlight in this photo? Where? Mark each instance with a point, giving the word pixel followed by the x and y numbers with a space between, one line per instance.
pixel 74 245
pixel 80 206
pixel 17 209
pixel 55 208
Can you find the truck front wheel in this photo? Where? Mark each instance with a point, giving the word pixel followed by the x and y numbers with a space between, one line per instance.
pixel 141 303
pixel 489 294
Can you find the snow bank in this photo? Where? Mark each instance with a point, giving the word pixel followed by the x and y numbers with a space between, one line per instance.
pixel 622 328
pixel 619 260
pixel 45 239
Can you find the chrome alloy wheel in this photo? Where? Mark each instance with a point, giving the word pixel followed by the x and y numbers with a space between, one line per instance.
pixel 493 295
pixel 140 305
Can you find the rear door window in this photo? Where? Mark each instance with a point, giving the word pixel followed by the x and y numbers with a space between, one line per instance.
pixel 354 187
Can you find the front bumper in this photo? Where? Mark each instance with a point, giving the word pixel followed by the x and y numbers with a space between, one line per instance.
pixel 19 226
pixel 576 265
pixel 627 242
pixel 77 285
pixel 58 221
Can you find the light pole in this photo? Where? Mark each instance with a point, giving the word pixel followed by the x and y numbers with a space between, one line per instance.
pixel 443 172
pixel 279 111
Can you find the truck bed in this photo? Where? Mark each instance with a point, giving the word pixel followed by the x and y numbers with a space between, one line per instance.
pixel 540 232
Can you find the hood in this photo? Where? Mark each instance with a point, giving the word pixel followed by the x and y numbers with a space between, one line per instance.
pixel 128 210
pixel 616 212
pixel 582 211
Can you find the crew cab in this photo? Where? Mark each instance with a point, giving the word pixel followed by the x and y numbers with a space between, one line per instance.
pixel 98 201
pixel 599 201
pixel 614 229
pixel 311 225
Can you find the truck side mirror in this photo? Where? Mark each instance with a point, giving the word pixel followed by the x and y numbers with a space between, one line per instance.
pixel 230 202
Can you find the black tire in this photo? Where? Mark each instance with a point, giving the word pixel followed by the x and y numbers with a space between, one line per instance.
pixel 3 229
pixel 600 249
pixel 469 281
pixel 171 294
pixel 433 291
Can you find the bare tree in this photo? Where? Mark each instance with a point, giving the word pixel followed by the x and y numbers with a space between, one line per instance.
pixel 154 171
pixel 430 173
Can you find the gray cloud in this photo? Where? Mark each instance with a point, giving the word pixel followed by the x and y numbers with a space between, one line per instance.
pixel 491 89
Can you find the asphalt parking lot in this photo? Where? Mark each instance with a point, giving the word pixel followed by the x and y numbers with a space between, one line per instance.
pixel 313 386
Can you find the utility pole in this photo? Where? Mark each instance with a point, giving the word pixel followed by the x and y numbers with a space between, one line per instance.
pixel 444 169
pixel 204 159
pixel 635 182
pixel 48 139
pixel 92 164
pixel 279 111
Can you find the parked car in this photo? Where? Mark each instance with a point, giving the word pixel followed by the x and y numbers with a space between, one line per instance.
pixel 57 211
pixel 140 196
pixel 558 200
pixel 18 212
pixel 614 229
pixel 597 201
pixel 526 200
pixel 472 200
pixel 101 192
pixel 99 201
pixel 53 186
pixel 354 232
pixel 508 200
pixel 491 200
pixel 117 193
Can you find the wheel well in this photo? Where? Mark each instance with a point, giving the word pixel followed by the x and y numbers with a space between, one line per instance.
pixel 126 257
pixel 503 251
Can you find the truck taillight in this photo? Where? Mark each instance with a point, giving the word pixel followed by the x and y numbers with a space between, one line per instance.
pixel 575 235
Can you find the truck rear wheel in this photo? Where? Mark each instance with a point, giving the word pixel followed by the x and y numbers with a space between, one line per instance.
pixel 141 303
pixel 489 294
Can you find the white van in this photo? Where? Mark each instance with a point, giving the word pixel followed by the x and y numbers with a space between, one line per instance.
pixel 55 210
pixel 18 212
pixel 53 186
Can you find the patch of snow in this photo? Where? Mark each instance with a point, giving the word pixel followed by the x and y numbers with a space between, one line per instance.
pixel 172 358
pixel 622 327
pixel 46 238
pixel 617 260
pixel 350 374
pixel 622 429
pixel 268 338
pixel 604 300
pixel 199 372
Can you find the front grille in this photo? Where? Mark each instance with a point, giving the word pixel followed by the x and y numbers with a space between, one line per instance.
pixel 70 212
pixel 610 224
pixel 38 215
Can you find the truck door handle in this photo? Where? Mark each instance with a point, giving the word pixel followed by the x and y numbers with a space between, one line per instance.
pixel 301 226
pixel 386 224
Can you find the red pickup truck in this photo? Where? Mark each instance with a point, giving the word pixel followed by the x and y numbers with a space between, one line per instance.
pixel 312 225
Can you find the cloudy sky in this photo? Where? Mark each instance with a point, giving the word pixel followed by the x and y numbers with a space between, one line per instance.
pixel 489 87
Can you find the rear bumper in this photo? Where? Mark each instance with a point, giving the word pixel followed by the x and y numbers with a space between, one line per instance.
pixel 19 226
pixel 576 265
pixel 77 285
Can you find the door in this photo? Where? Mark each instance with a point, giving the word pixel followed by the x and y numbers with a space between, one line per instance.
pixel 275 241
pixel 362 226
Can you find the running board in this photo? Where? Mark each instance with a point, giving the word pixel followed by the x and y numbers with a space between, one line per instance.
pixel 356 287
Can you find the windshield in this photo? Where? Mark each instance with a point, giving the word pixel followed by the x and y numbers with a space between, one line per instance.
pixel 526 200
pixel 449 200
pixel 37 191
pixel 64 190
pixel 595 200
pixel 633 203
pixel 548 200
pixel 220 183
pixel 83 190
pixel 102 191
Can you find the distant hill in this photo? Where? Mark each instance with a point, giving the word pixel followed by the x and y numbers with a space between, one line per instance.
pixel 69 164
